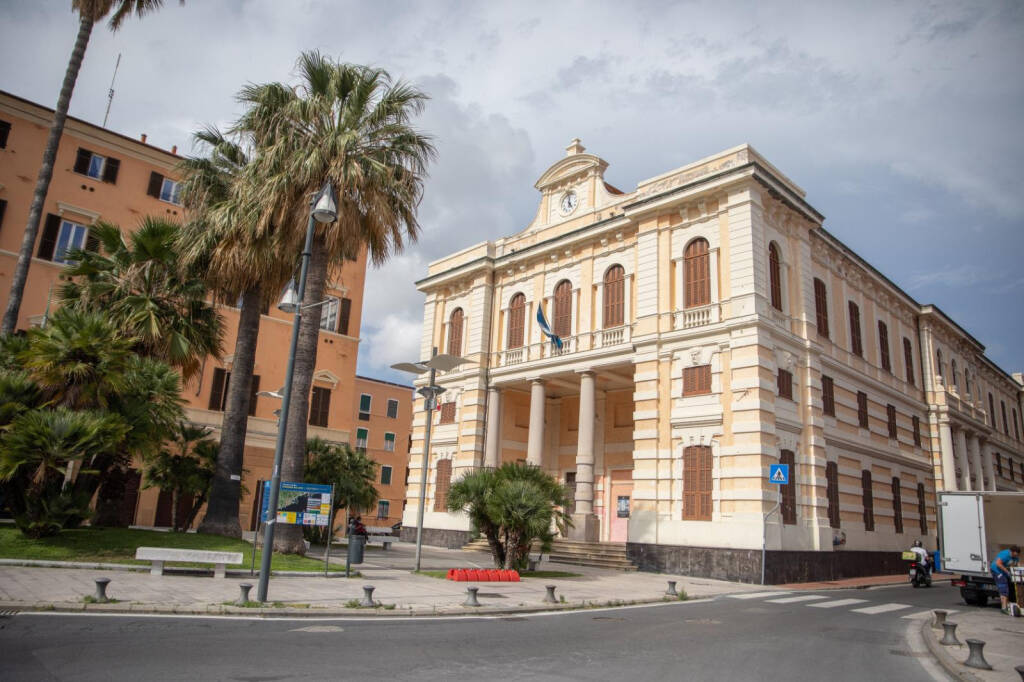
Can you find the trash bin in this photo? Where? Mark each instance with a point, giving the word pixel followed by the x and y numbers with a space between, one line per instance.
pixel 936 560
pixel 356 544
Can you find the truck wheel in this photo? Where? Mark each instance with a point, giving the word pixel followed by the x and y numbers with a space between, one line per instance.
pixel 974 598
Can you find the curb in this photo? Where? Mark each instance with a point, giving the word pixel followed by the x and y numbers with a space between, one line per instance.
pixel 168 570
pixel 807 588
pixel 938 652
pixel 127 608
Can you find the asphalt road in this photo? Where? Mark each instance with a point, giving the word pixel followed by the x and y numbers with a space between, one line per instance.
pixel 813 636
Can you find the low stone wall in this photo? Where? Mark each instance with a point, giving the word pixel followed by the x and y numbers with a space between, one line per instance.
pixel 744 565
pixel 438 537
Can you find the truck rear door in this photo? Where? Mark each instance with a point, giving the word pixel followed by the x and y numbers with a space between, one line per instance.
pixel 963 533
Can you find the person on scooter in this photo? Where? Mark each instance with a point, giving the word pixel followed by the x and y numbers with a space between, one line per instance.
pixel 923 558
pixel 1001 573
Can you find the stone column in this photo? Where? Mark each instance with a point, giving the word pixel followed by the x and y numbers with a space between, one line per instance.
pixel 585 522
pixel 961 459
pixel 948 464
pixel 987 466
pixel 974 451
pixel 492 437
pixel 535 441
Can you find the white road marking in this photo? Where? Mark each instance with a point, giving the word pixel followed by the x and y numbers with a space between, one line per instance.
pixel 881 608
pixel 838 602
pixel 791 600
pixel 925 614
pixel 756 595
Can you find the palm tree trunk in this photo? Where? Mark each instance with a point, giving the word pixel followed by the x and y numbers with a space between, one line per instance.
pixel 60 114
pixel 174 510
pixel 288 539
pixel 222 512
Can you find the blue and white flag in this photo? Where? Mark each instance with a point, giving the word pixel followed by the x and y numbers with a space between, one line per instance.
pixel 555 341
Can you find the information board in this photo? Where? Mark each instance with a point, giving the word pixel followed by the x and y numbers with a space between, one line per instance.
pixel 300 504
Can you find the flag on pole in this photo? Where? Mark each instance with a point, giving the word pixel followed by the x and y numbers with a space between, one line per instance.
pixel 555 341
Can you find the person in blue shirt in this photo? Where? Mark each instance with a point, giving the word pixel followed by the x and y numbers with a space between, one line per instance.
pixel 1001 573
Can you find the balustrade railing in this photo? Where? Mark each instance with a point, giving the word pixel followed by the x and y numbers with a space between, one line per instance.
pixel 698 317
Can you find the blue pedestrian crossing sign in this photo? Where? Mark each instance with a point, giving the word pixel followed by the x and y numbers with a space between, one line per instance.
pixel 778 473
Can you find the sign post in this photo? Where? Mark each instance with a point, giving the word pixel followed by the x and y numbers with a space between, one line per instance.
pixel 778 474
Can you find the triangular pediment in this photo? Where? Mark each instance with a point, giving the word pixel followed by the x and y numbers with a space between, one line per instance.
pixel 326 376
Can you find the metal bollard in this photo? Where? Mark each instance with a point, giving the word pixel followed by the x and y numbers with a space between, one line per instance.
pixel 471 597
pixel 243 596
pixel 671 591
pixel 367 596
pixel 550 596
pixel 976 659
pixel 101 590
pixel 949 636
pixel 940 618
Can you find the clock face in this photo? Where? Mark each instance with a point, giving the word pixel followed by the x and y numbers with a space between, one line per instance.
pixel 568 202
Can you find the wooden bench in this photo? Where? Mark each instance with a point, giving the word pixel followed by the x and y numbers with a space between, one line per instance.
pixel 158 555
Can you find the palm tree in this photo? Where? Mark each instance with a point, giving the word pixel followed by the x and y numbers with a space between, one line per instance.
pixel 89 12
pixel 186 471
pixel 351 473
pixel 240 265
pixel 141 284
pixel 349 125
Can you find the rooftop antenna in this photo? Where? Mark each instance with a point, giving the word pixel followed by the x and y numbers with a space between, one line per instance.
pixel 110 94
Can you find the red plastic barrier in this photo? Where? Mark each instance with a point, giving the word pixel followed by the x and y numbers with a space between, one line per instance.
pixel 495 575
pixel 473 575
pixel 515 576
pixel 506 576
pixel 461 575
pixel 451 574
pixel 485 575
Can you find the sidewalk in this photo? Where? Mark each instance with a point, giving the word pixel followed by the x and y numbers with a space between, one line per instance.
pixel 863 582
pixel 1004 644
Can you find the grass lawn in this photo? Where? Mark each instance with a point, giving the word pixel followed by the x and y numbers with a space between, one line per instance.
pixel 525 574
pixel 118 545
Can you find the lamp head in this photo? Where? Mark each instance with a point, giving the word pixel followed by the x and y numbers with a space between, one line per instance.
pixel 325 206
pixel 289 299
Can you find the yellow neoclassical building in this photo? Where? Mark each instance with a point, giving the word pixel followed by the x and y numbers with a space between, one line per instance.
pixel 709 327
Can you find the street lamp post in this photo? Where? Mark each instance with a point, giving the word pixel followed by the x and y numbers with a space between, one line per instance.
pixel 430 393
pixel 323 209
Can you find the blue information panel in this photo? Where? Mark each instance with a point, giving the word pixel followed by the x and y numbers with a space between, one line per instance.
pixel 778 473
pixel 300 504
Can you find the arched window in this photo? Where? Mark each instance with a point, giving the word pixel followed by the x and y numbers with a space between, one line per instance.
pixel 614 296
pixel 697 274
pixel 455 332
pixel 952 370
pixel 775 274
pixel 821 307
pixel 967 382
pixel 516 320
pixel 938 362
pixel 561 314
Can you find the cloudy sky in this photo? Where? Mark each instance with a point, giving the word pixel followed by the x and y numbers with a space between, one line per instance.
pixel 902 120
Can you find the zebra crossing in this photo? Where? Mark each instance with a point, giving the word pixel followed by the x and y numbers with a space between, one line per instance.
pixel 820 601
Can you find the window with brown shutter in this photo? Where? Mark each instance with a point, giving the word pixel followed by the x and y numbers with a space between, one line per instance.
pixel 917 430
pixel 3 210
pixel 788 507
pixel 48 239
pixel 908 359
pixel 455 332
pixel 447 413
pixel 821 307
pixel 156 183
pixel 614 297
pixel 785 382
pixel 110 169
pixel 219 389
pixel 922 509
pixel 832 492
pixel 897 505
pixel 1011 468
pixel 1006 424
pixel 1016 427
pixel 775 275
pixel 890 414
pixel 862 409
pixel 999 465
pixel 516 321
pixel 868 498
pixel 856 346
pixel 953 374
pixel 561 316
pixel 697 380
pixel 883 346
pixel 828 397
pixel 697 274
pixel 320 406
pixel 344 315
pixel 5 131
pixel 697 461
pixel 93 165
pixel 82 159
pixel 992 410
pixel 442 483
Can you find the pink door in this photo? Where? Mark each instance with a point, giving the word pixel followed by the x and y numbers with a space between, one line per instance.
pixel 621 506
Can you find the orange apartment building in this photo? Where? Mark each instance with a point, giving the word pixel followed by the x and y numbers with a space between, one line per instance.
pixel 382 419
pixel 103 175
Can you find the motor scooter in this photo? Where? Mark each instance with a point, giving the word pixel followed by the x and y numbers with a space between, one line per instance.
pixel 919 574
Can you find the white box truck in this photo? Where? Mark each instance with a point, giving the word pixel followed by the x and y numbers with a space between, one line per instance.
pixel 973 527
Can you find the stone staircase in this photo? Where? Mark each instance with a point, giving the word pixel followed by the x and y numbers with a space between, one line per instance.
pixel 610 555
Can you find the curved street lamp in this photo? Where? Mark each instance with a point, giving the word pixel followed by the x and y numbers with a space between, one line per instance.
pixel 323 209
